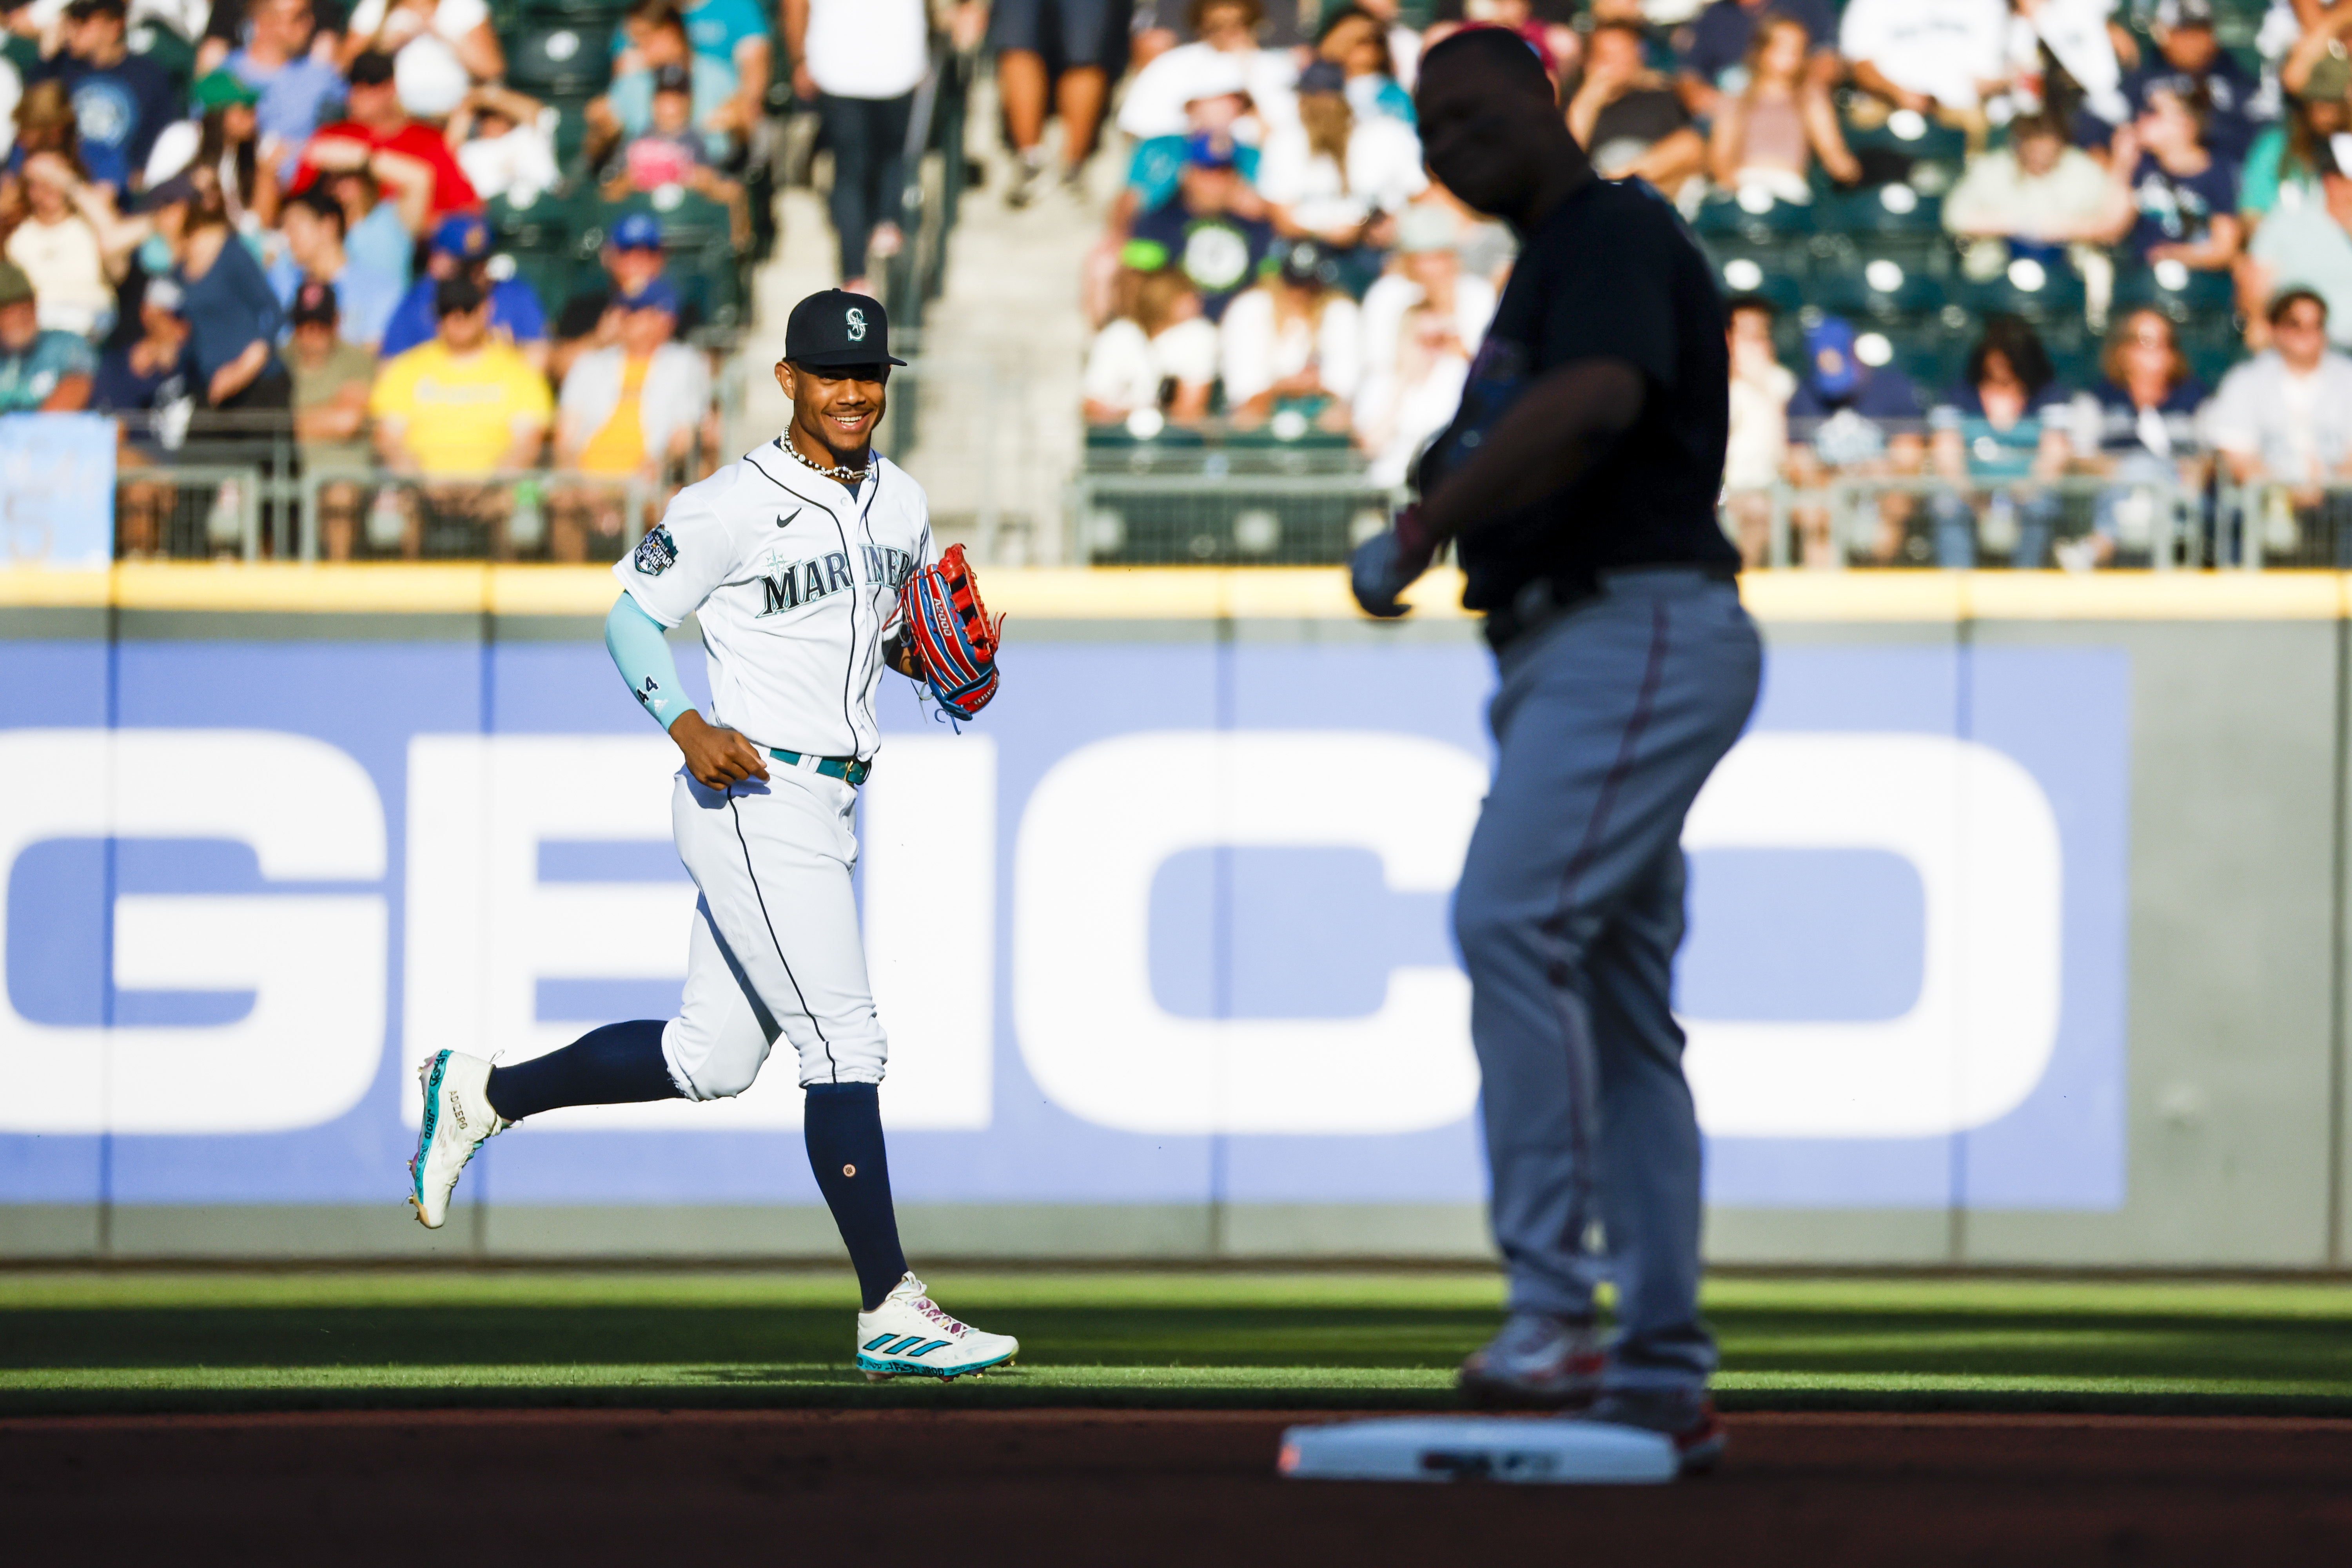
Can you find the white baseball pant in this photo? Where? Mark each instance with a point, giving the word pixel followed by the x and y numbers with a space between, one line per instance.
pixel 775 946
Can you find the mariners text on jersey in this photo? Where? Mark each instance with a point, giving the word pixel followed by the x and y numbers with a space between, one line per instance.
pixel 795 580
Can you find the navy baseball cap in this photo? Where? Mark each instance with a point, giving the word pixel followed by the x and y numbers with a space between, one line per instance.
pixel 463 236
pixel 1830 346
pixel 836 328
pixel 1206 149
pixel 637 231
pixel 656 295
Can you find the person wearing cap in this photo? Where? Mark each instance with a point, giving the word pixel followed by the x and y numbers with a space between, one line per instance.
pixel 225 139
pixel 1218 117
pixel 2190 63
pixel 150 382
pixel 1425 274
pixel 1296 341
pixel 2308 245
pixel 334 379
pixel 41 371
pixel 121 102
pixel 461 249
pixel 294 88
pixel 1334 177
pixel 633 411
pixel 366 295
pixel 632 257
pixel 2282 168
pixel 861 60
pixel 465 404
pixel 1211 230
pixel 1851 417
pixel 375 124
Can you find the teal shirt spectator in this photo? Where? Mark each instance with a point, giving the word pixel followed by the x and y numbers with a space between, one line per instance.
pixel 1996 453
pixel 632 99
pixel 1153 173
pixel 715 27
pixel 2270 173
pixel 381 242
pixel 28 375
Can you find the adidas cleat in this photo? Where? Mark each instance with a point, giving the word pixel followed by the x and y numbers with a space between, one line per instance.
pixel 908 1336
pixel 457 1117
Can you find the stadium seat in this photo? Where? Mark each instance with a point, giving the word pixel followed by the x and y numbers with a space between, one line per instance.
pixel 559 59
pixel 1896 209
pixel 2173 288
pixel 2039 291
pixel 545 237
pixel 606 13
pixel 1912 135
pixel 1881 286
pixel 570 126
pixel 1752 217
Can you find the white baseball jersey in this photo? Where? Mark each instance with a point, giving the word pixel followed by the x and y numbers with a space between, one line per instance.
pixel 796 581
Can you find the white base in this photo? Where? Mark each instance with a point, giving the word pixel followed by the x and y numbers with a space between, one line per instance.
pixel 1544 1450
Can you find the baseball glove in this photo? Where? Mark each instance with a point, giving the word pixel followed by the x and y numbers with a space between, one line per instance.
pixel 947 629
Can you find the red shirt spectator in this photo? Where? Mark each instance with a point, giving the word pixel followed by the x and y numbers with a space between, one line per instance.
pixel 378 124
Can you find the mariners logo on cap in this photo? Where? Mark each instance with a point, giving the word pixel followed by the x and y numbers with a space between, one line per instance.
pixel 657 552
pixel 856 319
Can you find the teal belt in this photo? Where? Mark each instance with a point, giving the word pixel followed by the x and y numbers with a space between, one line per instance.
pixel 849 769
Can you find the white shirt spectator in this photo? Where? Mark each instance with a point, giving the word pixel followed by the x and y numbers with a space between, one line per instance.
pixel 1384 173
pixel 1392 295
pixel 1125 369
pixel 868 48
pixel 1411 399
pixel 12 90
pixel 676 395
pixel 68 279
pixel 2300 427
pixel 1758 438
pixel 1941 48
pixel 2077 31
pixel 426 71
pixel 1256 355
pixel 518 165
pixel 1156 96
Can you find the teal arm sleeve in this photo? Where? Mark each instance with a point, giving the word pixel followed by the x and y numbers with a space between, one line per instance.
pixel 634 640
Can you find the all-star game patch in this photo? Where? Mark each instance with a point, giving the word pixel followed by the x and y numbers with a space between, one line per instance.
pixel 657 552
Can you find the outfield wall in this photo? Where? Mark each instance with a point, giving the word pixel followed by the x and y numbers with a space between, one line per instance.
pixel 2017 924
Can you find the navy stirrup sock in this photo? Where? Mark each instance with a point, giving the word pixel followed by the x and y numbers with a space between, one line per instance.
pixel 619 1064
pixel 843 1125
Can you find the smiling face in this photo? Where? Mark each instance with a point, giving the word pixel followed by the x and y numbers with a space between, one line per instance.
pixel 835 408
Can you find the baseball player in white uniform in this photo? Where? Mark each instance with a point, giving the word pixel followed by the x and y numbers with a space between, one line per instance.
pixel 792 559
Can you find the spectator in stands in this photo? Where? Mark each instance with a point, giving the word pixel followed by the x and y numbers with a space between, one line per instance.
pixel 658 37
pixel 1551 40
pixel 1716 60
pixel 861 60
pixel 228 142
pixel 1226 32
pixel 1941 59
pixel 2282 169
pixel 1157 353
pixel 461 405
pixel 332 380
pixel 1296 339
pixel 2037 189
pixel 150 384
pixel 365 296
pixel 1208 232
pixel 59 252
pixel 497 141
pixel 377 125
pixel 1066 51
pixel 2180 203
pixel 1219 115
pixel 1850 418
pixel 233 315
pixel 2139 428
pixel 730 34
pixel 121 102
pixel 1628 118
pixel 631 411
pixel 2306 246
pixel 672 152
pixel 461 249
pixel 295 88
pixel 2191 64
pixel 2004 425
pixel 1357 42
pixel 2284 418
pixel 1408 400
pixel 439 48
pixel 1332 177
pixel 1768 134
pixel 377 227
pixel 1424 273
pixel 41 371
pixel 631 259
pixel 1757 450
pixel 45 123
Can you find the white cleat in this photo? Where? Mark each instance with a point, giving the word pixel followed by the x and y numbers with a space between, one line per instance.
pixel 457 1117
pixel 908 1335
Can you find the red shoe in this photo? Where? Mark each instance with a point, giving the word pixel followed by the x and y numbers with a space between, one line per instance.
pixel 1538 1361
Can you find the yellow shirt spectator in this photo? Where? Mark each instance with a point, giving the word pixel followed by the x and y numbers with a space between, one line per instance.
pixel 460 412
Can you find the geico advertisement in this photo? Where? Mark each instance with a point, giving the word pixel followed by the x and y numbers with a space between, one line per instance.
pixel 1168 923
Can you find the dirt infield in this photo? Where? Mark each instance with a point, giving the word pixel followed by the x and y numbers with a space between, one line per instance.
pixel 1056 1487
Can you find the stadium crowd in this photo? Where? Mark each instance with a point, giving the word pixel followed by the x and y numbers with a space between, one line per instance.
pixel 272 219
pixel 1973 247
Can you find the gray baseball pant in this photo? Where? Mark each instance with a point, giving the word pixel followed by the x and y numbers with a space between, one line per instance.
pixel 1570 909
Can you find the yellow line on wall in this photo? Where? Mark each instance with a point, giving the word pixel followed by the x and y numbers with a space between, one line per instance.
pixel 1162 594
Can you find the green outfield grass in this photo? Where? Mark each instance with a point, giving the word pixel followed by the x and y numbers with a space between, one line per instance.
pixel 218 1341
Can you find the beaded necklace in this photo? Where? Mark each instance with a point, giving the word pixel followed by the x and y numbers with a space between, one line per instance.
pixel 846 475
